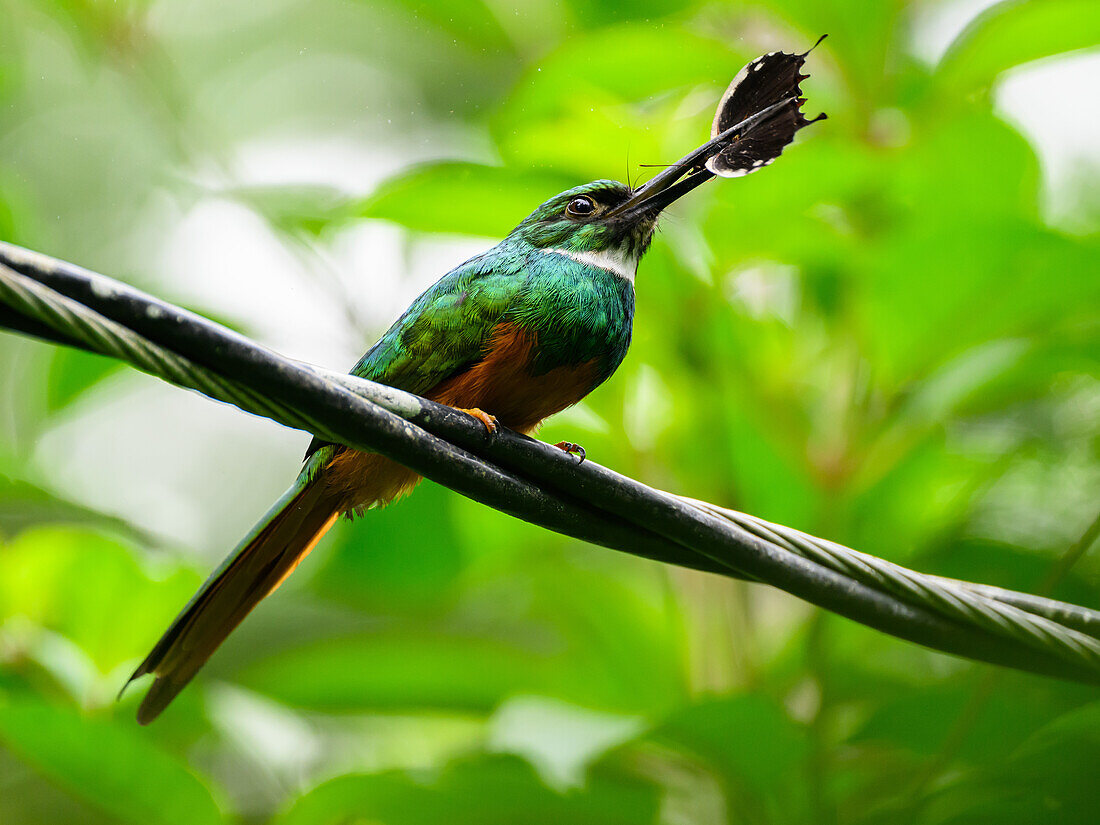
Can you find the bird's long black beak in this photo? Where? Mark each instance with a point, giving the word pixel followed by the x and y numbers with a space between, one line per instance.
pixel 690 171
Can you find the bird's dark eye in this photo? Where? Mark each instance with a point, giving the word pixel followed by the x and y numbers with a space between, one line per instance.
pixel 579 207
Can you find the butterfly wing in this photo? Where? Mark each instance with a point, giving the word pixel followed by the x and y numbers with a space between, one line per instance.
pixel 766 81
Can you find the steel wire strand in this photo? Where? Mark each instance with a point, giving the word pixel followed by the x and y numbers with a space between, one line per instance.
pixel 992 615
pixel 950 598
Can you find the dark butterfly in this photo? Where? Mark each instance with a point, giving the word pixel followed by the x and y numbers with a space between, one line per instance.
pixel 767 81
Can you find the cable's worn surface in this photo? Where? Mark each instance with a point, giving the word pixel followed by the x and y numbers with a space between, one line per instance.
pixel 527 479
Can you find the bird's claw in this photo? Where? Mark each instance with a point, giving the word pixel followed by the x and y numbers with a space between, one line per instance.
pixel 489 421
pixel 570 448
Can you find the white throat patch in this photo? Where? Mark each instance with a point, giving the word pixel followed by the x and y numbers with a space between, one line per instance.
pixel 614 261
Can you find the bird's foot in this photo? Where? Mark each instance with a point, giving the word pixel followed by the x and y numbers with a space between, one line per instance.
pixel 572 449
pixel 489 421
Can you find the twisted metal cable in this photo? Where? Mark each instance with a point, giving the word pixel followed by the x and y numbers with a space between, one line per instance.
pixel 107 337
pixel 1030 621
pixel 74 323
pixel 840 557
pixel 949 598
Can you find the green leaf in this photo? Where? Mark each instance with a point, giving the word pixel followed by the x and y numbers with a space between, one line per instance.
pixel 1010 33
pixel 614 97
pixel 747 738
pixel 294 210
pixel 73 372
pixel 923 308
pixel 624 64
pixel 91 590
pixel 31 799
pixel 10 65
pixel 24 505
pixel 909 492
pixel 402 670
pixel 747 744
pixel 396 558
pixel 592 638
pixel 1049 780
pixel 473 21
pixel 488 790
pixel 593 13
pixel 112 766
pixel 1072 349
pixel 405 670
pixel 922 721
pixel 917 299
pixel 767 472
pixel 463 198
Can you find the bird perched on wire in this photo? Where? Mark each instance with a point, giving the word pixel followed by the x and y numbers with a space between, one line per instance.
pixel 511 336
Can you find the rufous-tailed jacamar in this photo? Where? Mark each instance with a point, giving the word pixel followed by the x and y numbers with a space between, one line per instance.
pixel 511 336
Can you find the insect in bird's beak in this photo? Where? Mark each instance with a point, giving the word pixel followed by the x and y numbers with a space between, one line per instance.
pixel 757 117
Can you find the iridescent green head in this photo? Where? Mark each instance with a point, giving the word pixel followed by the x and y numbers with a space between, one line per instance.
pixel 581 219
pixel 604 216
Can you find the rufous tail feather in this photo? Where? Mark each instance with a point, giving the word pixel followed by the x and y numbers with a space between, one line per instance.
pixel 259 565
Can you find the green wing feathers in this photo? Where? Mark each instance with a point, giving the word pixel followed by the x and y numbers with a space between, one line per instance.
pixel 575 311
pixel 444 330
pixel 259 565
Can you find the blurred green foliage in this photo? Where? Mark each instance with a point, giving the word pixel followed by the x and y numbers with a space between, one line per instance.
pixel 881 339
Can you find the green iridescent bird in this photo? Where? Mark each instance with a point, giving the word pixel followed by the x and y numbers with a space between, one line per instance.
pixel 512 336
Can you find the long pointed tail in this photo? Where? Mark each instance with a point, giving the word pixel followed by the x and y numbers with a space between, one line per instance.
pixel 252 571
